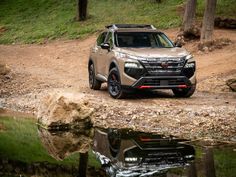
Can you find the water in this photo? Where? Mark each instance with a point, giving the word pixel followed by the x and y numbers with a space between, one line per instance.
pixel 129 153
pixel 26 150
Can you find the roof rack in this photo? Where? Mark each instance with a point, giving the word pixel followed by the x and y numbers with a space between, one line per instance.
pixel 117 26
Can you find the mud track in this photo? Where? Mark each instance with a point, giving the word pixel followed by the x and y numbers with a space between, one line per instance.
pixel 62 65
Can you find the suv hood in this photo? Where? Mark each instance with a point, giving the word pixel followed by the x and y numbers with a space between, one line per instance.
pixel 155 52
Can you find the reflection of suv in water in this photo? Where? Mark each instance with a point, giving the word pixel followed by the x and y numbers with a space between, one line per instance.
pixel 123 152
pixel 140 57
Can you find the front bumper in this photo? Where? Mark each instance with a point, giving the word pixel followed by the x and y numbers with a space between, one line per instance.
pixel 162 82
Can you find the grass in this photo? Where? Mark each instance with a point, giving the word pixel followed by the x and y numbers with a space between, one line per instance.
pixel 225 162
pixel 19 141
pixel 37 21
pixel 225 8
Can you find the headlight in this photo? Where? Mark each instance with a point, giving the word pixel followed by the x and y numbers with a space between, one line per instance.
pixel 131 159
pixel 133 64
pixel 190 62
pixel 124 55
pixel 189 67
pixel 133 68
pixel 188 57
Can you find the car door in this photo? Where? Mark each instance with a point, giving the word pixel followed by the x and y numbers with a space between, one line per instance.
pixel 107 54
pixel 97 53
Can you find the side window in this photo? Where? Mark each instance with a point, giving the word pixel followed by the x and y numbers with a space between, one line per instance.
pixel 109 39
pixel 101 38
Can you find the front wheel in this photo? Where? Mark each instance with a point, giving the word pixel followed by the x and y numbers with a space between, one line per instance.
pixel 184 92
pixel 114 84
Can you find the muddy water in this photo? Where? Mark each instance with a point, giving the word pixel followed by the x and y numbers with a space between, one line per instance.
pixel 121 153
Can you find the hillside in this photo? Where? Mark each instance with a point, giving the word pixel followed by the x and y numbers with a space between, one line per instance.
pixel 37 21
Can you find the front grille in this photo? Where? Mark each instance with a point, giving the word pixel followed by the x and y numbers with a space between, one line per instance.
pixel 163 158
pixel 164 66
pixel 162 155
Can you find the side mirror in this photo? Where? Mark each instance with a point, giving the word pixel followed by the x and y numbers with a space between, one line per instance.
pixel 178 44
pixel 105 46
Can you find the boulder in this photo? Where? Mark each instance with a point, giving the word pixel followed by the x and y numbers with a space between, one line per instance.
pixel 64 111
pixel 65 123
pixel 232 84
pixel 4 70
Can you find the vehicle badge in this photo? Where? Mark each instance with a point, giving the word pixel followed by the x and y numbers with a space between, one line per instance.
pixel 164 65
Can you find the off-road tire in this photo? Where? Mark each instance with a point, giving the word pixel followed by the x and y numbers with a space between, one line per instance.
pixel 93 82
pixel 114 84
pixel 184 92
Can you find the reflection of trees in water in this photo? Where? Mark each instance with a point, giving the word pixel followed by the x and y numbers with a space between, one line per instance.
pixel 208 160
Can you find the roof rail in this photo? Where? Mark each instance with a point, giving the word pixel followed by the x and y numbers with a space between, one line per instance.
pixel 116 26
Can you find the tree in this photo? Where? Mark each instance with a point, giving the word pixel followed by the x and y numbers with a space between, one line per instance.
pixel 189 15
pixel 208 21
pixel 81 10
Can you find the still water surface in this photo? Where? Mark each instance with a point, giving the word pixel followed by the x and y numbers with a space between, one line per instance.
pixel 28 150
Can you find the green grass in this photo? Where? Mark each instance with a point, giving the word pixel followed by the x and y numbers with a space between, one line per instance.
pixel 30 21
pixel 225 162
pixel 224 8
pixel 20 141
pixel 37 21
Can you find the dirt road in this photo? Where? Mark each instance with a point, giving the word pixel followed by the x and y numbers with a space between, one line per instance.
pixel 62 65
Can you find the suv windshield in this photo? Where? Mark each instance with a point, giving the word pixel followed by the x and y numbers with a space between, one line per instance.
pixel 142 39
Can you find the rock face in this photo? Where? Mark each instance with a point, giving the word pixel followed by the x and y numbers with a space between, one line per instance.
pixel 232 84
pixel 65 111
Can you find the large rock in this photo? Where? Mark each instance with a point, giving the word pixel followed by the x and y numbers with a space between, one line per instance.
pixel 4 70
pixel 232 84
pixel 65 111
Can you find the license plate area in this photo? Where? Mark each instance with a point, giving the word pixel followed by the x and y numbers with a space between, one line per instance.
pixel 164 82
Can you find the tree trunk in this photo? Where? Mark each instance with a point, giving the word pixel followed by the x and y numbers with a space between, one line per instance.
pixel 189 15
pixel 209 162
pixel 81 10
pixel 208 21
pixel 83 163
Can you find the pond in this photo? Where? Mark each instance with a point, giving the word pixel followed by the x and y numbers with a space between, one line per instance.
pixel 29 150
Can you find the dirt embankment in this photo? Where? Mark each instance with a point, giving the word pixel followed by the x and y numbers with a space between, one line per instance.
pixel 62 65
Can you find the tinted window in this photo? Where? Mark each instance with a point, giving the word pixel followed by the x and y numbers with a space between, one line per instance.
pixel 101 38
pixel 142 39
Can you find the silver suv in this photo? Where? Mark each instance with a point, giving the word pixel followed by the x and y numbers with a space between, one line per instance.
pixel 130 57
